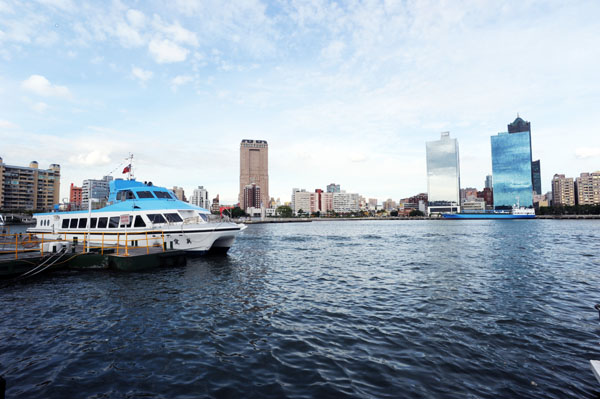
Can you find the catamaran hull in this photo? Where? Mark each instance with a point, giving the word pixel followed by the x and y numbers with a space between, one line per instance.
pixel 485 216
pixel 195 241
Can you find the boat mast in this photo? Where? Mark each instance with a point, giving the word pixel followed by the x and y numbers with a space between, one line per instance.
pixel 130 171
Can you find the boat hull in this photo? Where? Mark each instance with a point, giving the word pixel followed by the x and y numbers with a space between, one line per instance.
pixel 461 216
pixel 193 239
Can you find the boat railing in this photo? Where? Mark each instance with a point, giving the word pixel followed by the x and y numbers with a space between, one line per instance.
pixel 20 244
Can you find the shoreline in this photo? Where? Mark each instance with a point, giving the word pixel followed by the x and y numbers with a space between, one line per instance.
pixel 345 219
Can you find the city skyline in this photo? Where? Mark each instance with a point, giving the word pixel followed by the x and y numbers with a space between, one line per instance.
pixel 344 94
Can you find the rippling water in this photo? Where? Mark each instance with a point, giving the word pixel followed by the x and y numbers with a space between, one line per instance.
pixel 475 309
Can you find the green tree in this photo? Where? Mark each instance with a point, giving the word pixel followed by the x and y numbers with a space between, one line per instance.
pixel 237 212
pixel 284 211
pixel 416 212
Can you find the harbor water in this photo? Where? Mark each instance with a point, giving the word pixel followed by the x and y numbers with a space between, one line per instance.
pixel 365 309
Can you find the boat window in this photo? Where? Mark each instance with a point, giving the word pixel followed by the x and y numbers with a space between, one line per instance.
pixel 93 223
pixel 113 222
pixel 102 223
pixel 162 194
pixel 156 218
pixel 173 217
pixel 73 224
pixel 145 194
pixel 125 195
pixel 204 217
pixel 82 223
pixel 139 222
pixel 65 223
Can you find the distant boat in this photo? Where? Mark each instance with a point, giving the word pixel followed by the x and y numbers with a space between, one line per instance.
pixel 1 220
pixel 515 213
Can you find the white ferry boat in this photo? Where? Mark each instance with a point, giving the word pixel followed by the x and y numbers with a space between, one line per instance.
pixel 139 211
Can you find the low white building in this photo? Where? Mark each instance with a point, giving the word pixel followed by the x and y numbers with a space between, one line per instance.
pixel 345 202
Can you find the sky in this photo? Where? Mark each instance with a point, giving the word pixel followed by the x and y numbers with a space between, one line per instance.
pixel 345 92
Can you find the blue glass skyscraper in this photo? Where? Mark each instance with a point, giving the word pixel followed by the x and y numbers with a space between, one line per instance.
pixel 511 169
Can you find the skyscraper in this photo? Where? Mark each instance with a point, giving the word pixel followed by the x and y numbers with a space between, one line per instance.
pixel 254 168
pixel 443 174
pixel 520 125
pixel 536 177
pixel 488 181
pixel 511 170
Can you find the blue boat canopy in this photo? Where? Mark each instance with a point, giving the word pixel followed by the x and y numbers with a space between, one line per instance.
pixel 132 195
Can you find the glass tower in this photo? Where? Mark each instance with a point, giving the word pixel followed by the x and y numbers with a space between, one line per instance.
pixel 511 170
pixel 536 177
pixel 443 172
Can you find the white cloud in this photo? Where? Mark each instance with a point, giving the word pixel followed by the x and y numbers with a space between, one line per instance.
pixel 7 125
pixel 141 74
pixel 63 5
pixel 91 158
pixel 587 152
pixel 42 86
pixel 166 51
pixel 176 32
pixel 180 80
pixel 136 18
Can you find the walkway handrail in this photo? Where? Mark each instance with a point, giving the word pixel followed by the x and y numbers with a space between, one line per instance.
pixel 20 243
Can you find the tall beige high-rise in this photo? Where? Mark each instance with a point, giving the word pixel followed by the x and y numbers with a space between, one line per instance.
pixel 563 190
pixel 254 168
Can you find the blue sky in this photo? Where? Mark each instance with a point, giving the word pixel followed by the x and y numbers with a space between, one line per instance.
pixel 344 92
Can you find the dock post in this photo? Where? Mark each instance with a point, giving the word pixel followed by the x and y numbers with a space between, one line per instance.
pixel 16 247
pixel 2 387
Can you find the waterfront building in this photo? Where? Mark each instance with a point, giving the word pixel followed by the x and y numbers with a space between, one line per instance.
pixel 487 195
pixel 326 202
pixel 29 188
pixel 372 203
pixel 294 191
pixel 252 196
pixel 389 205
pixel 541 200
pixel 588 188
pixel 254 169
pixel 488 181
pixel 304 202
pixel 345 202
pixel 200 197
pixel 563 190
pixel 468 194
pixel 216 206
pixel 333 188
pixel 96 189
pixel 476 205
pixel 511 170
pixel 536 177
pixel 179 193
pixel 75 194
pixel 443 174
